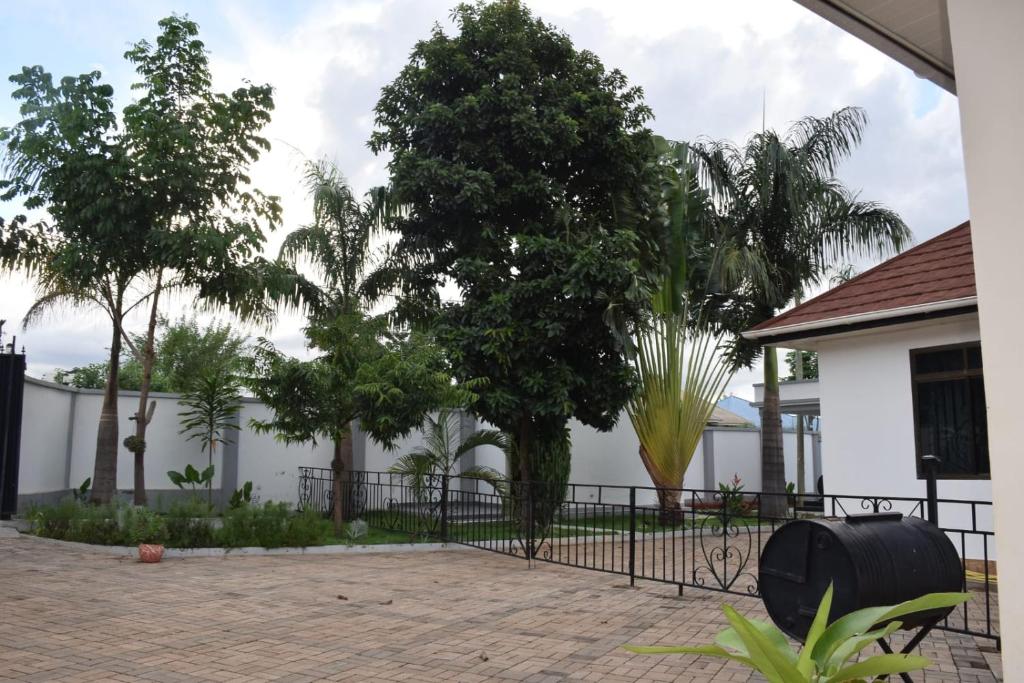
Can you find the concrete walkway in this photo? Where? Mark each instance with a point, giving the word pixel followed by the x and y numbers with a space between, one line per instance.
pixel 68 615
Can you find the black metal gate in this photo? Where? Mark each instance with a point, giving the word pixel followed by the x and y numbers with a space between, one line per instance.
pixel 12 390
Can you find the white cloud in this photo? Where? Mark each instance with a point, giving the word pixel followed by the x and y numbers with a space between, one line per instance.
pixel 705 68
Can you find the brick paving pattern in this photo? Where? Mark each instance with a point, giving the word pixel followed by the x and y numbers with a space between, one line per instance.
pixel 465 615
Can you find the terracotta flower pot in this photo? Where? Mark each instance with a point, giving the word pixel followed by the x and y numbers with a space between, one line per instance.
pixel 150 552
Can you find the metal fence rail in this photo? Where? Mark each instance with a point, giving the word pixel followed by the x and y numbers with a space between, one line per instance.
pixel 713 542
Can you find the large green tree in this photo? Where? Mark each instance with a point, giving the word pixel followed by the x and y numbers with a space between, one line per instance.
pixel 527 181
pixel 787 222
pixel 160 199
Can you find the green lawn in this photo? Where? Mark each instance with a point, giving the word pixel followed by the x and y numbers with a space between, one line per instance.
pixel 406 526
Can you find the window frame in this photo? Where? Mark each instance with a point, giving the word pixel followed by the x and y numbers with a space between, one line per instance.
pixel 965 374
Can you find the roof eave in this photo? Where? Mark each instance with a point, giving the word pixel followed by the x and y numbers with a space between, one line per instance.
pixel 815 328
pixel 881 38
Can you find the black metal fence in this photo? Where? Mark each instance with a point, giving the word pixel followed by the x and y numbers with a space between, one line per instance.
pixel 712 542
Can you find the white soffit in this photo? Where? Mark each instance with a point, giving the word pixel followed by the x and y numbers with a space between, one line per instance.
pixel 913 32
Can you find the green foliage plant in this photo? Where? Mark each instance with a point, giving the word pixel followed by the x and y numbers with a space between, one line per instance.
pixel 211 406
pixel 356 529
pixel 192 478
pixel 731 494
pixel 183 350
pixel 189 525
pixel 81 494
pixel 271 525
pixel 142 525
pixel 156 199
pixel 241 496
pixel 441 450
pixel 829 650
pixel 361 371
pixel 525 172
pixel 785 222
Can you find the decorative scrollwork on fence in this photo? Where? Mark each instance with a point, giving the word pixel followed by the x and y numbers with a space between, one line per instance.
pixel 315 489
pixel 727 548
pixel 876 505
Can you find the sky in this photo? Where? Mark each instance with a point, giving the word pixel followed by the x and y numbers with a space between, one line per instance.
pixel 717 70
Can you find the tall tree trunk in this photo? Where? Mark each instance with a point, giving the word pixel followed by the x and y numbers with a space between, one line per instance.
pixel 526 502
pixel 341 465
pixel 773 462
pixel 669 510
pixel 104 477
pixel 143 416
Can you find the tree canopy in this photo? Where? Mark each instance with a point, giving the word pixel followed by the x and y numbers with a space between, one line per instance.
pixel 527 180
pixel 183 350
pixel 154 199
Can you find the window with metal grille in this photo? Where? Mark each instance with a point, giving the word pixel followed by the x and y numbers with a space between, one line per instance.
pixel 949 410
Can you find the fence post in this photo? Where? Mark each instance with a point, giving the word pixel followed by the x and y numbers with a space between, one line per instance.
pixel 931 466
pixel 444 508
pixel 530 550
pixel 632 536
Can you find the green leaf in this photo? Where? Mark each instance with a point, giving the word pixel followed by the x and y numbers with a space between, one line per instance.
pixel 880 665
pixel 191 474
pixel 805 663
pixel 775 662
pixel 854 645
pixel 863 620
pixel 729 638
pixel 176 478
pixel 207 475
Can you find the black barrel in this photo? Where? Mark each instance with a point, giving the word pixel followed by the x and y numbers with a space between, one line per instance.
pixel 871 560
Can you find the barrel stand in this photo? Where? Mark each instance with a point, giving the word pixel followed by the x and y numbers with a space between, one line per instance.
pixel 914 642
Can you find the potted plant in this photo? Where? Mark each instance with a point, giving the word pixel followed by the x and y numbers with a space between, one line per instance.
pixel 147 530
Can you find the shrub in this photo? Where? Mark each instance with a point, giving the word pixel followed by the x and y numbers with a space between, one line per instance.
pixel 189 526
pixel 238 527
pixel 306 528
pixel 356 529
pixel 271 525
pixel 142 525
pixel 55 521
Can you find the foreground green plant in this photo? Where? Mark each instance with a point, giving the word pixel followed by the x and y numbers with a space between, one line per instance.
pixel 829 648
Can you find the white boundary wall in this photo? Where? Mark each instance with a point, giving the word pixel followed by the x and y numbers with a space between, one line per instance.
pixel 59 444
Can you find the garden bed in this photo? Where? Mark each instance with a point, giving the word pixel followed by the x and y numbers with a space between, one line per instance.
pixel 192 526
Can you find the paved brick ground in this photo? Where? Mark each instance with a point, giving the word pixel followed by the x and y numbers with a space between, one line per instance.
pixel 465 615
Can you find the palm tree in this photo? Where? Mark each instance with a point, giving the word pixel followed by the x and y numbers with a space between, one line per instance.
pixel 783 206
pixel 443 447
pixel 337 246
pixel 681 360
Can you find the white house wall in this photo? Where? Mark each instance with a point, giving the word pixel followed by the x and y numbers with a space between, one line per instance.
pixel 868 416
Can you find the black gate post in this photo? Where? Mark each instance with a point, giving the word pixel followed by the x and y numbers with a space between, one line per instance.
pixel 632 536
pixel 12 391
pixel 931 466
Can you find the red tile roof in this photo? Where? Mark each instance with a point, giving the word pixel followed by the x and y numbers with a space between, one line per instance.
pixel 941 269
